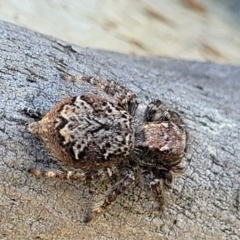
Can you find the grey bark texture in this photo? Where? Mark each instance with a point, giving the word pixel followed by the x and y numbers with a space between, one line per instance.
pixel 204 202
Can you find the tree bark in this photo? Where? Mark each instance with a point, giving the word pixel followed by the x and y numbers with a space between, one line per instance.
pixel 204 202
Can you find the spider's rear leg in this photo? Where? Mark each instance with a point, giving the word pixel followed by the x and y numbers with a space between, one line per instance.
pixel 158 111
pixel 124 97
pixel 74 175
pixel 119 188
pixel 37 113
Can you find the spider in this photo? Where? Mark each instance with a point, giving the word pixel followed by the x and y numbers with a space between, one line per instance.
pixel 99 136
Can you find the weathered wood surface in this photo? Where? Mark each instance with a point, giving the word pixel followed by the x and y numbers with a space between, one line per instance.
pixel 203 204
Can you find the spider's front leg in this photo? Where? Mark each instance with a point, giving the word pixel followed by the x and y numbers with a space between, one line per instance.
pixel 158 180
pixel 158 111
pixel 157 189
pixel 74 175
pixel 156 184
pixel 124 97
pixel 119 188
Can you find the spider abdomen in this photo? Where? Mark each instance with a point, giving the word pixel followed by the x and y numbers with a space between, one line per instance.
pixel 87 132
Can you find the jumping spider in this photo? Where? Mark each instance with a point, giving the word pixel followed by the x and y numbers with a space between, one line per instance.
pixel 96 136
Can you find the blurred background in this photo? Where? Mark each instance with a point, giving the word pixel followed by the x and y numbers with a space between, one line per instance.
pixel 205 30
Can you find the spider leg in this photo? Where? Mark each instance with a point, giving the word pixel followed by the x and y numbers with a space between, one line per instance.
pixel 35 113
pixel 74 175
pixel 125 97
pixel 157 189
pixel 158 180
pixel 119 188
pixel 158 111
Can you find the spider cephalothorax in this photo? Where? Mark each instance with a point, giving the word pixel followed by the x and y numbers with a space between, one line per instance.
pixel 95 135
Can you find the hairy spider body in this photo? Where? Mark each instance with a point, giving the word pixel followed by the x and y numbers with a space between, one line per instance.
pixel 95 135
pixel 87 132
